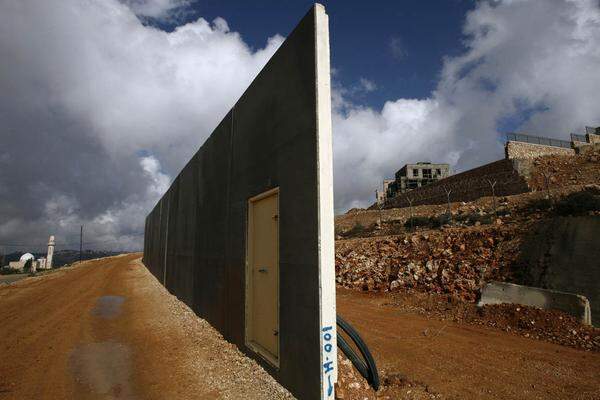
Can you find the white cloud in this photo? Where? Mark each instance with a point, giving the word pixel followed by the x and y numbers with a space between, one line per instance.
pixel 367 85
pixel 85 88
pixel 158 9
pixel 531 64
pixel 159 181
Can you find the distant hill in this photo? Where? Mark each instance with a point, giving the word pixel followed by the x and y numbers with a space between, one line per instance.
pixel 62 257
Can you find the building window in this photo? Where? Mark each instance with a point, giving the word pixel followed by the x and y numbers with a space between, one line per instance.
pixel 415 172
pixel 438 172
pixel 427 173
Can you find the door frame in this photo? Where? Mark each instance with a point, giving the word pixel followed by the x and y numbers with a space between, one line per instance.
pixel 257 348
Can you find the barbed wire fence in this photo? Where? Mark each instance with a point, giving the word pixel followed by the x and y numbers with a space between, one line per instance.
pixel 468 189
pixel 403 212
pixel 493 186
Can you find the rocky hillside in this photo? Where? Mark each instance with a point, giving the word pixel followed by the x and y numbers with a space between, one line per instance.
pixel 451 260
pixel 426 249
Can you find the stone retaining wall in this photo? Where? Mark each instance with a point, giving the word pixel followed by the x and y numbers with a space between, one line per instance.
pixel 522 150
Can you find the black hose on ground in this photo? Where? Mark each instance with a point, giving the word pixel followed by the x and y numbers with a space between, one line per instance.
pixel 358 363
pixel 366 368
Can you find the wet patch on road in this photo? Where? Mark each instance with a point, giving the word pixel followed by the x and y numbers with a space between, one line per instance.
pixel 102 369
pixel 108 306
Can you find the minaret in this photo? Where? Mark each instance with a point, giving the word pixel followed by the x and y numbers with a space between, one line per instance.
pixel 50 253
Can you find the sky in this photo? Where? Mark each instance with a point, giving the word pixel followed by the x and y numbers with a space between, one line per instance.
pixel 102 102
pixel 384 35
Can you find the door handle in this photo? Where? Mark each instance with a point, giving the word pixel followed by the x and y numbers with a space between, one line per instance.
pixel 263 270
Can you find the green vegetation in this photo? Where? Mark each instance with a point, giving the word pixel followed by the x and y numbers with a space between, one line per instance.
pixel 428 222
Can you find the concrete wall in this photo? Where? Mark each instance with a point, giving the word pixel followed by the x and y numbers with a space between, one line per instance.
pixel 588 148
pixel 467 186
pixel 17 265
pixel 562 254
pixel 502 292
pixel 592 138
pixel 278 134
pixel 522 150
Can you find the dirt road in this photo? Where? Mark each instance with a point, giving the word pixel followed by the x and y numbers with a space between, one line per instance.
pixel 108 330
pixel 461 361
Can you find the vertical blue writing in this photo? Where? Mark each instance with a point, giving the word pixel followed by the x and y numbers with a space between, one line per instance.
pixel 328 364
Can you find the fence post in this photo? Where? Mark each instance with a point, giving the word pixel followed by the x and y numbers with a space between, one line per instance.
pixel 547 184
pixel 493 185
pixel 410 201
pixel 380 208
pixel 448 198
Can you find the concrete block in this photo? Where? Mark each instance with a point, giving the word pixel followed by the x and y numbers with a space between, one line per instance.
pixel 562 254
pixel 502 292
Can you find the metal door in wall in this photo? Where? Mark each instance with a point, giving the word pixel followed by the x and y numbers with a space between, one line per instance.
pixel 262 276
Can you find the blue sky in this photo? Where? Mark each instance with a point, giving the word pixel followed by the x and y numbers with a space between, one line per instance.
pixel 398 45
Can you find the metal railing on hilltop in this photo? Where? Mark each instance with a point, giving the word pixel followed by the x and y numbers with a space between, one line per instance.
pixel 578 138
pixel 521 137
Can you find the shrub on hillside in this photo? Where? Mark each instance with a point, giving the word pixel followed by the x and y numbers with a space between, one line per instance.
pixel 472 218
pixel 538 204
pixel 578 203
pixel 358 229
pixel 427 222
pixel 502 212
pixel 417 221
pixel 396 229
pixel 439 220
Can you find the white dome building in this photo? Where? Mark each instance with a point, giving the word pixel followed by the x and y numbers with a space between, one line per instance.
pixel 26 257
pixel 19 265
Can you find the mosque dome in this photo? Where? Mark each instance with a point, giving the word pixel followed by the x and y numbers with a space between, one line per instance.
pixel 26 257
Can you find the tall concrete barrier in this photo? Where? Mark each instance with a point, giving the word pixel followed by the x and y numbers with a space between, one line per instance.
pixel 502 292
pixel 245 233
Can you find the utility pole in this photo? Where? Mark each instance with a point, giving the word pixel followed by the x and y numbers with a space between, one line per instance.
pixel 80 243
